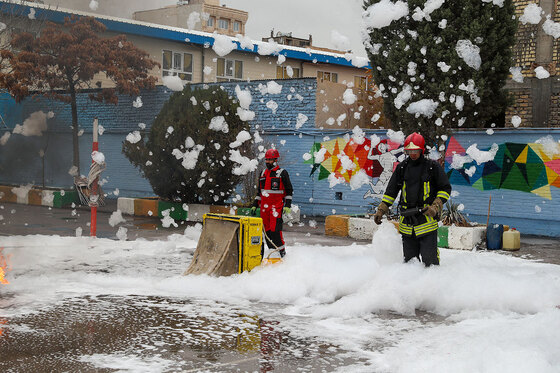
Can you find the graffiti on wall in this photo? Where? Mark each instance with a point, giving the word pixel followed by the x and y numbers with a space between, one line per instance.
pixel 532 168
pixel 343 158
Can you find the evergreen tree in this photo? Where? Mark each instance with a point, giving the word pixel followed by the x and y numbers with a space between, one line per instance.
pixel 197 171
pixel 416 60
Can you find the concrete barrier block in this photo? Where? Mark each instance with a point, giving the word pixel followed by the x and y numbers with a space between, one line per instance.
pixel 176 210
pixel 465 238
pixel 337 225
pixel 35 197
pixel 214 209
pixel 6 194
pixel 197 211
pixel 47 198
pixel 361 228
pixel 443 236
pixel 22 194
pixel 294 216
pixel 146 207
pixel 64 198
pixel 246 211
pixel 126 205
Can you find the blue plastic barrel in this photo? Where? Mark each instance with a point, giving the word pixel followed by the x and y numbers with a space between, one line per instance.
pixel 494 236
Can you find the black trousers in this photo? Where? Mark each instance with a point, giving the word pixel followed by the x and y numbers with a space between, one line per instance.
pixel 424 247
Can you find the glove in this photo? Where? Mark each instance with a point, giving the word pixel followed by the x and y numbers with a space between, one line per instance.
pixel 253 211
pixel 434 209
pixel 382 209
pixel 286 210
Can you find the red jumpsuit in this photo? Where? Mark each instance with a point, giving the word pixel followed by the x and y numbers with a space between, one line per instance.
pixel 274 193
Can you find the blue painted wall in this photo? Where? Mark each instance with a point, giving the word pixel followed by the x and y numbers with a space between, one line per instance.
pixel 528 212
pixel 20 163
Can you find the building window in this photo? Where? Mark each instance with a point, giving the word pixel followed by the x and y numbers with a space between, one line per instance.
pixel 282 72
pixel 229 70
pixel 177 64
pixel 323 76
pixel 360 82
pixel 210 22
pixel 237 26
pixel 223 24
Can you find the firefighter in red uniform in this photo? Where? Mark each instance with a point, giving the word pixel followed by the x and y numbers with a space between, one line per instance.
pixel 274 196
pixel 424 188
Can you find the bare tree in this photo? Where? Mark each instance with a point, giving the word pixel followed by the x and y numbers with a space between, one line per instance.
pixel 64 59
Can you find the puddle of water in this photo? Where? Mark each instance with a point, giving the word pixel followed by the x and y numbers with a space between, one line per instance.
pixel 82 334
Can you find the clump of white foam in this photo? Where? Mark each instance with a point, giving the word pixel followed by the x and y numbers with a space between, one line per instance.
pixel 386 244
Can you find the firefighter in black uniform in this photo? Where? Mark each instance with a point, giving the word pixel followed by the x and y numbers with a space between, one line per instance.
pixel 424 188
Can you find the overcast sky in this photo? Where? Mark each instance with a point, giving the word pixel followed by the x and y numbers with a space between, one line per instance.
pixel 301 17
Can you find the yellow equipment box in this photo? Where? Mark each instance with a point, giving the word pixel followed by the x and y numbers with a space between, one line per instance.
pixel 228 244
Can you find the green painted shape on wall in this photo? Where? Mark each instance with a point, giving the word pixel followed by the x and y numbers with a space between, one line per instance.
pixel 323 173
pixel 494 179
pixel 483 184
pixel 534 171
pixel 515 180
pixel 508 164
pixel 515 149
pixel 541 181
pixel 488 185
pixel 315 148
pixel 533 157
pixel 499 157
pixel 478 184
pixel 523 169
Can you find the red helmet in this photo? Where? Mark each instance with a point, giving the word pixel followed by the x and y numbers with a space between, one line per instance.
pixel 272 154
pixel 414 141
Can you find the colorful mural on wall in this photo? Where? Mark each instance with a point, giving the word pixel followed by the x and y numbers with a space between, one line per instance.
pixel 344 157
pixel 531 167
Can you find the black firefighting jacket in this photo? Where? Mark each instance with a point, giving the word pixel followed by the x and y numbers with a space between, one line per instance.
pixel 419 183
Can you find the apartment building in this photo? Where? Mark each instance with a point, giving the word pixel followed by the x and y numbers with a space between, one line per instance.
pixel 200 15
pixel 192 54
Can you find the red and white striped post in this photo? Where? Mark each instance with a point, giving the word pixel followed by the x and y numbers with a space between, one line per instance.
pixel 92 197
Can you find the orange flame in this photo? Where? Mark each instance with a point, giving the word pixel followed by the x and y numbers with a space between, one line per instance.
pixel 2 323
pixel 4 262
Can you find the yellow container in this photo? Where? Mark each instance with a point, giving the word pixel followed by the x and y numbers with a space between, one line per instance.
pixel 511 240
pixel 249 239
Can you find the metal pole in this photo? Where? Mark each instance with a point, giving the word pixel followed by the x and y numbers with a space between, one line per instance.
pixel 95 147
pixel 488 217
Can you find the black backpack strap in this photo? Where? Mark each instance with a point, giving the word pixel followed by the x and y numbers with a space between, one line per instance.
pixel 426 170
pixel 400 178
